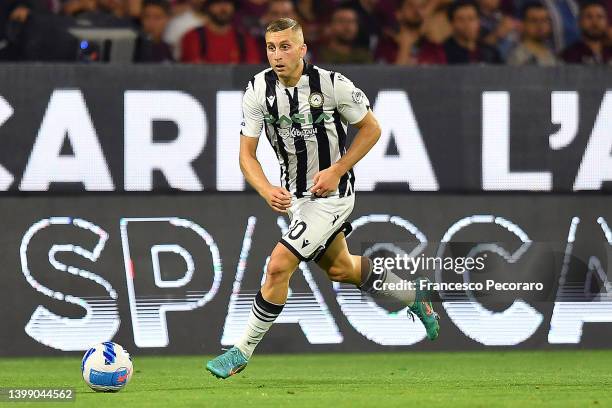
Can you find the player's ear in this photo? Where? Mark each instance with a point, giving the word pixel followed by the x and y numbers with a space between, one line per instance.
pixel 303 50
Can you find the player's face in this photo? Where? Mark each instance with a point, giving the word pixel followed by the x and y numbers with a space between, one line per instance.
pixel 285 50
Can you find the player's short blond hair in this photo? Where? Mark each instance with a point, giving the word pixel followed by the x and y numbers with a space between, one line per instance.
pixel 283 24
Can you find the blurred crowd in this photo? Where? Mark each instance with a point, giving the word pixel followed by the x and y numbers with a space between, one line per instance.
pixel 399 32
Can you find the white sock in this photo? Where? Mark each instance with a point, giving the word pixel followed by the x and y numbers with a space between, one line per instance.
pixel 370 280
pixel 262 316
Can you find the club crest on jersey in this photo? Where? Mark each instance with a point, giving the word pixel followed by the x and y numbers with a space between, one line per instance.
pixel 357 96
pixel 316 99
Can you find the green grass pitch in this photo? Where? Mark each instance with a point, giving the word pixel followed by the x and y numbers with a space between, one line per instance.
pixel 467 379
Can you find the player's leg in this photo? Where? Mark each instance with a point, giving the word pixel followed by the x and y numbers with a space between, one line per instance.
pixel 266 307
pixel 270 300
pixel 341 266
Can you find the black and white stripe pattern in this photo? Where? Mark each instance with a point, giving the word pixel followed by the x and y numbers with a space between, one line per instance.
pixel 314 137
pixel 314 82
pixel 275 140
pixel 299 145
pixel 262 316
pixel 264 310
pixel 347 181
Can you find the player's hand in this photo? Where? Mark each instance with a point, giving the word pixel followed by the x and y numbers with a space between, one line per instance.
pixel 278 198
pixel 325 182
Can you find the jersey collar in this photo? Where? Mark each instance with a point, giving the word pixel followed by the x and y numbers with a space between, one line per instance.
pixel 307 69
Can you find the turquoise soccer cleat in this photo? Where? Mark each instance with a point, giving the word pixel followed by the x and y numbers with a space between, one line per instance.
pixel 227 364
pixel 423 309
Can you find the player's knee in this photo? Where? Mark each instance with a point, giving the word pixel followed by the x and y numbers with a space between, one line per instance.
pixel 277 271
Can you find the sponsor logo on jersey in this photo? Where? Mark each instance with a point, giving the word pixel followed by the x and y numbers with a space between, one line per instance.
pixel 309 133
pixel 302 119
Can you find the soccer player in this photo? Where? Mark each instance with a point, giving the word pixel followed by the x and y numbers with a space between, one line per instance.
pixel 304 111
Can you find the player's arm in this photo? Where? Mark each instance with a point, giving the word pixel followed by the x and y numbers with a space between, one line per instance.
pixel 277 197
pixel 366 137
pixel 353 105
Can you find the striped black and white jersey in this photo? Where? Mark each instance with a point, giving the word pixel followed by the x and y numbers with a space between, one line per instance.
pixel 306 124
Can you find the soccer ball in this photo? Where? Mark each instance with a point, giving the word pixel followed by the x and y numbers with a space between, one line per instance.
pixel 107 367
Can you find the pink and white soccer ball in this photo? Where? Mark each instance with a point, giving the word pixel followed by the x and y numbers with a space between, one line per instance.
pixel 107 367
